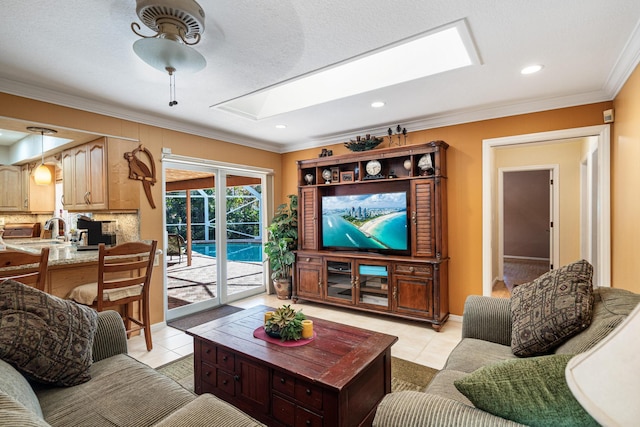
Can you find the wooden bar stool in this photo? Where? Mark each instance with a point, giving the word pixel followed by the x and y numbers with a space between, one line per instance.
pixel 35 271
pixel 124 275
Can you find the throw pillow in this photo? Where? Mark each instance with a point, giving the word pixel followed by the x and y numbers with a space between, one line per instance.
pixel 551 309
pixel 48 339
pixel 530 391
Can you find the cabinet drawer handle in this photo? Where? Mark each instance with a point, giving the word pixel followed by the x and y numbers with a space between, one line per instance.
pixel 225 382
pixel 308 392
pixel 236 377
pixel 208 351
pixel 224 358
pixel 207 374
pixel 308 422
pixel 282 381
pixel 411 269
pixel 307 259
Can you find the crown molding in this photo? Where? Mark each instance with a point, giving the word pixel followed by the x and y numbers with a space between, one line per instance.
pixel 12 87
pixel 625 65
pixel 465 116
pixel 623 68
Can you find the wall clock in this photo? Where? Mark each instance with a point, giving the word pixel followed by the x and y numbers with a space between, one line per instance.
pixel 373 169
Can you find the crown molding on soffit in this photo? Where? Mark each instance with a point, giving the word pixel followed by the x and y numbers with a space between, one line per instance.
pixel 626 64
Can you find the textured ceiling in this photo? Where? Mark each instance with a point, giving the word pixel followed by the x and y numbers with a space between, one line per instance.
pixel 79 53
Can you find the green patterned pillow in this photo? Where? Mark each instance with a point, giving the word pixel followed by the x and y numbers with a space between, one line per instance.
pixel 48 339
pixel 551 309
pixel 530 391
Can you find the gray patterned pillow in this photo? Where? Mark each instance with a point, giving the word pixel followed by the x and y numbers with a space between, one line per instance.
pixel 48 339
pixel 551 309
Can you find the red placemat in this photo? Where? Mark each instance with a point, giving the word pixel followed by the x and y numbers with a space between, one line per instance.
pixel 261 334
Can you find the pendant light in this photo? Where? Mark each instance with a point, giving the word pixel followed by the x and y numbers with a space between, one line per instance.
pixel 42 174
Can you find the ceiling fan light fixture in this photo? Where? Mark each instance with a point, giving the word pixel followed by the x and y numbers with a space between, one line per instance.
pixel 163 53
pixel 178 24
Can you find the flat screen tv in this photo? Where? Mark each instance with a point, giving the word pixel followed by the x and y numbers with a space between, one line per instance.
pixel 371 222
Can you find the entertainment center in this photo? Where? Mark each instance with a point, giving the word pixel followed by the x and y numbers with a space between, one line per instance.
pixel 372 231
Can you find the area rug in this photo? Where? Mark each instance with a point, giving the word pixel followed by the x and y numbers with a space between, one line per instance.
pixel 405 375
pixel 201 317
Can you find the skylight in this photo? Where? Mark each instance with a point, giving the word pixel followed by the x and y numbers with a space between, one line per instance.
pixel 436 51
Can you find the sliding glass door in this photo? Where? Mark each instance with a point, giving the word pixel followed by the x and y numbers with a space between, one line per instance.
pixel 214 220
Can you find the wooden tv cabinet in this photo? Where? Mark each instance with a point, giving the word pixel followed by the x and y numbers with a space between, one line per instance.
pixel 410 284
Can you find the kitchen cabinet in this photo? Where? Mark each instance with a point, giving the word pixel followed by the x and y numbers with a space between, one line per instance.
pixel 20 193
pixel 95 176
pixel 37 198
pixel 11 189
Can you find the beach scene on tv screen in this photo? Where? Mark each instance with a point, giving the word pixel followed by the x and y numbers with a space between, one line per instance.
pixel 365 221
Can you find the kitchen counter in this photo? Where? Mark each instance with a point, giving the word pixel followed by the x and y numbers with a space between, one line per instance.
pixel 67 268
pixel 60 253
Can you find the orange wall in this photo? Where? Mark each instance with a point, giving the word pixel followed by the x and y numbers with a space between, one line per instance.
pixel 625 194
pixel 464 164
pixel 464 168
pixel 154 139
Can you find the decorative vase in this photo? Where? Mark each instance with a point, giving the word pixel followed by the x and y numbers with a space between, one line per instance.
pixel 283 288
pixel 308 178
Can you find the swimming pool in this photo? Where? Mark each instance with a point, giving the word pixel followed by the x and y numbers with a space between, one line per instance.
pixel 235 251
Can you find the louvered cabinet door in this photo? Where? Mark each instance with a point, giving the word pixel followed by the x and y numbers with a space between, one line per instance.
pixel 307 220
pixel 423 209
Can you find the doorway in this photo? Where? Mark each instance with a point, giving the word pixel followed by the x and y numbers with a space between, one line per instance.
pixel 595 146
pixel 528 225
pixel 213 219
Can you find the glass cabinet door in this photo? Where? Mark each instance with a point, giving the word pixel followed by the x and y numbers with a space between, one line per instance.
pixel 339 280
pixel 372 282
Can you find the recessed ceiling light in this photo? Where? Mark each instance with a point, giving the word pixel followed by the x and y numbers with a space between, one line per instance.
pixel 377 104
pixel 281 126
pixel 531 69
pixel 436 51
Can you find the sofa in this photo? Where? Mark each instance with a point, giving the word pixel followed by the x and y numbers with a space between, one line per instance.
pixel 121 391
pixel 486 346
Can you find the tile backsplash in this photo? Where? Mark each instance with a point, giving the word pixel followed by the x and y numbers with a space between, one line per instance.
pixel 127 227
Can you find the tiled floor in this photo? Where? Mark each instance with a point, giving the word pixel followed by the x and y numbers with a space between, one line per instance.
pixel 417 342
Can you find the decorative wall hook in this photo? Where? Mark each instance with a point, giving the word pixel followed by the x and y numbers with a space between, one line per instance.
pixel 138 170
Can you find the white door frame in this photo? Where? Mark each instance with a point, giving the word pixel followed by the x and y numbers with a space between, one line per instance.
pixel 603 135
pixel 220 169
pixel 554 236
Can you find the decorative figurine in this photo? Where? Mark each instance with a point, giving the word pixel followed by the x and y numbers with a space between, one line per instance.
pixel 308 178
pixel 426 165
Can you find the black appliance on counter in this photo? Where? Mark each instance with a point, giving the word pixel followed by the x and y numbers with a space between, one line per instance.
pixel 98 231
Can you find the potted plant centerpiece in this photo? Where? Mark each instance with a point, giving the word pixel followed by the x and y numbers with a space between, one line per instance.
pixel 285 323
pixel 282 241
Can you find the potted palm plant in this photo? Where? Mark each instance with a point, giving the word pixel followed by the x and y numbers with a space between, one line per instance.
pixel 281 243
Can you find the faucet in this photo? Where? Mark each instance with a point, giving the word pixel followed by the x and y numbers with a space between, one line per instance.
pixel 51 222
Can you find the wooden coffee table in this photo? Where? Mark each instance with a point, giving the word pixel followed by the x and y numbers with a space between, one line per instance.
pixel 337 379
